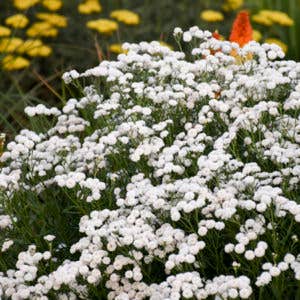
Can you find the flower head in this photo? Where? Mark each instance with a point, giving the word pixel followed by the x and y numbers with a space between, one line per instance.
pixel 34 48
pixel 269 17
pixel 103 26
pixel 42 29
pixel 126 16
pixel 117 48
pixel 211 16
pixel 241 32
pixel 25 4
pixel 53 19
pixel 52 5
pixel 11 63
pixel 216 35
pixel 257 36
pixel 17 21
pixel 4 31
pixel 232 4
pixel 9 45
pixel 89 7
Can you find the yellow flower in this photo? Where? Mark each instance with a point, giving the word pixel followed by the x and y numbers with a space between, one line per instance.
pixel 4 31
pixel 42 29
pixel 257 36
pixel 53 19
pixel 126 16
pixel 17 21
pixel 117 48
pixel 260 19
pixel 40 51
pixel 166 45
pixel 232 4
pixel 52 5
pixel 211 16
pixel 279 43
pixel 34 48
pixel 89 7
pixel 10 44
pixel 29 44
pixel 25 4
pixel 279 17
pixel 104 26
pixel 11 63
pixel 270 17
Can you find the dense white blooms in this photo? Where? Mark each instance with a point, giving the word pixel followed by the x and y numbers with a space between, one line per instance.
pixel 41 109
pixel 172 161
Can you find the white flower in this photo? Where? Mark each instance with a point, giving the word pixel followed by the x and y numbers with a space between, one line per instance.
pixel 187 37
pixel 249 255
pixel 239 248
pixel 289 258
pixel 6 245
pixel 49 237
pixel 274 271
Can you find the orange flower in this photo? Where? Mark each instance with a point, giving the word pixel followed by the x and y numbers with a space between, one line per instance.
pixel 216 35
pixel 242 31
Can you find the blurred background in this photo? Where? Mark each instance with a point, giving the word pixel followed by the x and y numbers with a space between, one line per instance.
pixel 41 39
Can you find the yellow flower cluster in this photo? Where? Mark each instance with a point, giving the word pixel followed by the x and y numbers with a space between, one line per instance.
pixel 232 4
pixel 10 45
pixel 31 47
pixel 34 47
pixel 89 7
pixel 13 47
pixel 257 36
pixel 211 16
pixel 4 31
pixel 52 5
pixel 11 63
pixel 107 26
pixel 104 26
pixel 270 17
pixel 42 29
pixel 126 16
pixel 47 24
pixel 53 19
pixel 17 21
pixel 117 48
pixel 25 4
pixel 277 42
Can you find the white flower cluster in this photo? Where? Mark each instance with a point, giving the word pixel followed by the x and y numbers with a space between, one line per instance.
pixel 184 169
pixel 5 222
pixel 41 109
pixel 15 283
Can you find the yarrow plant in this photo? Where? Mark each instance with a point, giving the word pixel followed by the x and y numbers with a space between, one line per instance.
pixel 167 175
